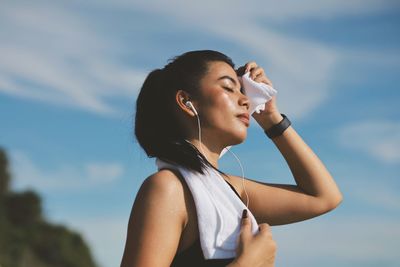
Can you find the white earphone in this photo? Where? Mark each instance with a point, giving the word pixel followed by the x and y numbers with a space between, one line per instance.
pixel 190 105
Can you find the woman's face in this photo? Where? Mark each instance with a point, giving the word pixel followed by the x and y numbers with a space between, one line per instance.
pixel 222 106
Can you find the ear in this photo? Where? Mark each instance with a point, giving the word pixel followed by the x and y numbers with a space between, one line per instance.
pixel 181 98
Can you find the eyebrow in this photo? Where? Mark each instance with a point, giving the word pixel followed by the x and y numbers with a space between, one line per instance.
pixel 229 78
pixel 232 80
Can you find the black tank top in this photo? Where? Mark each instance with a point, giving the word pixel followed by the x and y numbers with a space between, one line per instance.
pixel 193 255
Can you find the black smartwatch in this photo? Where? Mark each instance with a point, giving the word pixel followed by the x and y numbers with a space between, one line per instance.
pixel 279 128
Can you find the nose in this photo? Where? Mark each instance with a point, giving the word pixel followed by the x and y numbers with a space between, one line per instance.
pixel 244 101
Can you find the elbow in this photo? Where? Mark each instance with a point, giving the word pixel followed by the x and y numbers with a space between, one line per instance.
pixel 337 200
pixel 333 202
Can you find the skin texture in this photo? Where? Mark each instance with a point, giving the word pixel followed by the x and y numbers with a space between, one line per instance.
pixel 163 220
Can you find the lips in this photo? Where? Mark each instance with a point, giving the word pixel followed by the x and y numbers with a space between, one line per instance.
pixel 245 118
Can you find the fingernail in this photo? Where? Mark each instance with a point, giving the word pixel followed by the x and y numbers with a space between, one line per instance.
pixel 244 214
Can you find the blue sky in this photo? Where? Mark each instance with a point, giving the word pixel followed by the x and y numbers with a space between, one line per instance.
pixel 70 73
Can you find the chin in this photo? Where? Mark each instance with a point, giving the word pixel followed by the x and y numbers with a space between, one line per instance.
pixel 238 138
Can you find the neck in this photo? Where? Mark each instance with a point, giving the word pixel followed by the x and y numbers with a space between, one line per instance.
pixel 211 152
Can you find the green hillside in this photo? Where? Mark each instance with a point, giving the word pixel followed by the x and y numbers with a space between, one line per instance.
pixel 26 239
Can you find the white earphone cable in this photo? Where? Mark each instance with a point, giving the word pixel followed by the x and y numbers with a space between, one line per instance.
pixel 199 129
pixel 241 167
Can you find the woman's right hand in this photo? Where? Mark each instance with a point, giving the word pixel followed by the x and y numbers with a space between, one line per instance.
pixel 254 250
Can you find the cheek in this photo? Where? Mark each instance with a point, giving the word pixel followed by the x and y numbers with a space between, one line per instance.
pixel 217 107
pixel 220 117
pixel 223 102
pixel 227 105
pixel 222 109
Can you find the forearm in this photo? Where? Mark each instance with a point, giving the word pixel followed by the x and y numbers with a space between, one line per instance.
pixel 309 172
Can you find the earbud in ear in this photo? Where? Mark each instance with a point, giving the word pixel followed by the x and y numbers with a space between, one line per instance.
pixel 190 105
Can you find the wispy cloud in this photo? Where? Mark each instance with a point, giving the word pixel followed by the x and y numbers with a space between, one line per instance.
pixel 379 139
pixel 283 10
pixel 28 174
pixel 73 63
pixel 300 68
pixel 52 55
pixel 379 195
pixel 104 172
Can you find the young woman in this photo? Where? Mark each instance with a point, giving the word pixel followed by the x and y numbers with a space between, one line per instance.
pixel 163 227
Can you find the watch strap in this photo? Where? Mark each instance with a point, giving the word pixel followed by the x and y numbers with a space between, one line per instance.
pixel 279 128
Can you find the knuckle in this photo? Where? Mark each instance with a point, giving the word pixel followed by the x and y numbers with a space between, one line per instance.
pixel 251 64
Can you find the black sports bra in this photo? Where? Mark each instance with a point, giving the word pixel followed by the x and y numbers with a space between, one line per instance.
pixel 193 255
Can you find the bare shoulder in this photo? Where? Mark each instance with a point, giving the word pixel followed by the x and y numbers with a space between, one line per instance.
pixel 156 222
pixel 165 182
pixel 163 187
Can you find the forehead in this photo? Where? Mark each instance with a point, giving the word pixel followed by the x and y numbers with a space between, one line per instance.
pixel 218 69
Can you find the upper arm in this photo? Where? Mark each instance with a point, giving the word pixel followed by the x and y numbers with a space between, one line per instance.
pixel 156 222
pixel 278 204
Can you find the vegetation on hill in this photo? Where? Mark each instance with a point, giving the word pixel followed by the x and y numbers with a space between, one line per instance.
pixel 26 239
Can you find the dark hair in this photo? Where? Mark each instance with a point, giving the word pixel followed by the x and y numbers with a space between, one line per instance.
pixel 157 127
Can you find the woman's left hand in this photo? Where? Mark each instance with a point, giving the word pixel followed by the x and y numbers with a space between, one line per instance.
pixel 270 114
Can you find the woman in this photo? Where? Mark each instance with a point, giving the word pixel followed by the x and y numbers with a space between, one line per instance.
pixel 163 226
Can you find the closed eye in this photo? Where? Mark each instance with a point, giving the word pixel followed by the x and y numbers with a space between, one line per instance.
pixel 232 90
pixel 229 89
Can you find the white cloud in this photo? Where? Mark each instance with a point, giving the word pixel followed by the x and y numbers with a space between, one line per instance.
pixel 61 63
pixel 346 241
pixel 378 195
pixel 379 139
pixel 104 172
pixel 53 54
pixel 299 68
pixel 282 10
pixel 27 174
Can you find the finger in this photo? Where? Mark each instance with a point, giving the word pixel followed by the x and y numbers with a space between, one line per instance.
pixel 245 231
pixel 264 228
pixel 256 72
pixel 263 79
pixel 250 65
pixel 245 217
pixel 259 79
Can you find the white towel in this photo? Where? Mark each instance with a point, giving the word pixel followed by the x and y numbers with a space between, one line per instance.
pixel 219 211
pixel 258 94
